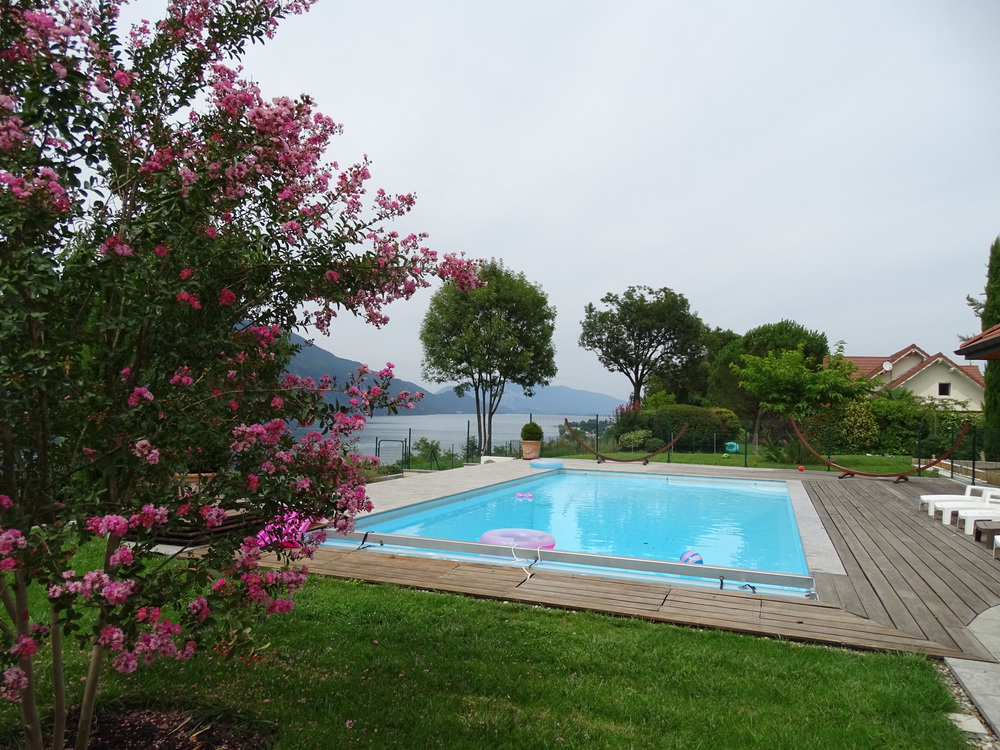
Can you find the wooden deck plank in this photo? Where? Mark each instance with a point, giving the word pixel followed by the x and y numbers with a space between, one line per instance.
pixel 917 539
pixel 967 572
pixel 912 605
pixel 881 600
pixel 864 601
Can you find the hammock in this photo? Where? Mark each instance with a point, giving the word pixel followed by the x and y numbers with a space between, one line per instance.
pixel 901 476
pixel 601 458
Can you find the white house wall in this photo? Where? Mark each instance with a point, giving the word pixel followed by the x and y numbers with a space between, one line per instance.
pixel 925 384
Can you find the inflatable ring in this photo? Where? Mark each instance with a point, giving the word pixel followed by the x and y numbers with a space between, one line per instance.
pixel 732 447
pixel 545 463
pixel 519 538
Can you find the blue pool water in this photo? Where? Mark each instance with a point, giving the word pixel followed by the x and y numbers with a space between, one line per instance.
pixel 730 523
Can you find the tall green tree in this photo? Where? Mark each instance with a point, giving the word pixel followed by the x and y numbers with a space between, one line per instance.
pixel 791 384
pixel 991 317
pixel 485 338
pixel 688 383
pixel 642 331
pixel 725 389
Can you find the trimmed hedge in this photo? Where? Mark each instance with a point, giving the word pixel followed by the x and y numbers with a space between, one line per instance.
pixel 708 428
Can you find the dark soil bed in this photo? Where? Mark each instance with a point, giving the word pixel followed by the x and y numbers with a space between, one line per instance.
pixel 151 729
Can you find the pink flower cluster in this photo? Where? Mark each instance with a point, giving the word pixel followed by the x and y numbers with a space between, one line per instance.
pixel 158 642
pixel 14 681
pixel 11 540
pixel 182 377
pixel 139 395
pixel 144 450
pixel 114 592
pixel 269 434
pixel 109 524
pixel 189 299
pixel 42 192
pixel 199 608
pixel 119 526
pixel 213 515
pixel 24 647
pixel 256 584
pixel 116 246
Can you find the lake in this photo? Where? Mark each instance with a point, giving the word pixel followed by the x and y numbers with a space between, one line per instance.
pixel 450 430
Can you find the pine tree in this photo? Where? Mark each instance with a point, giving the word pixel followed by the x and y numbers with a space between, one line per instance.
pixel 990 318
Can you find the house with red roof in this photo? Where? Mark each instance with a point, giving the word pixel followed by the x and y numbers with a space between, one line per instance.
pixel 933 376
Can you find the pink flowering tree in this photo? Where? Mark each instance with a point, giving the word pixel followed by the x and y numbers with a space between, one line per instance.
pixel 163 228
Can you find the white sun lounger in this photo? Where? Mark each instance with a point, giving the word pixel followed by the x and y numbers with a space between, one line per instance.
pixel 972 492
pixel 949 509
pixel 956 502
pixel 969 516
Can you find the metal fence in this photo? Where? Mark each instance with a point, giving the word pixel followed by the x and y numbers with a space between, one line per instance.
pixel 445 444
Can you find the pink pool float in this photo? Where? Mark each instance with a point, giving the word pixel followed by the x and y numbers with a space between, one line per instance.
pixel 528 538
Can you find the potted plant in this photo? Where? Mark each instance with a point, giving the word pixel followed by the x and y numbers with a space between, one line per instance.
pixel 531 441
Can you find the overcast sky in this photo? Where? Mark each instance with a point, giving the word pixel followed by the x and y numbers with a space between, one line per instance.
pixel 831 163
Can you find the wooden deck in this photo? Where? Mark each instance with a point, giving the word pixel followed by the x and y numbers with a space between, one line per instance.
pixel 911 584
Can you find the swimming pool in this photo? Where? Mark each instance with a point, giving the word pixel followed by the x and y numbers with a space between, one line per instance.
pixel 649 521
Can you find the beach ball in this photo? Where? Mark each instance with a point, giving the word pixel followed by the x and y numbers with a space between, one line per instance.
pixel 692 557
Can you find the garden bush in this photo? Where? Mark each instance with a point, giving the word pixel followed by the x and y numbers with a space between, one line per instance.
pixel 632 441
pixel 653 444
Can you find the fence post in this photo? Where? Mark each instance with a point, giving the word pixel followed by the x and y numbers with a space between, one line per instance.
pixel 829 446
pixel 406 451
pixel 597 433
pixel 975 432
pixel 746 447
pixel 951 460
pixel 468 436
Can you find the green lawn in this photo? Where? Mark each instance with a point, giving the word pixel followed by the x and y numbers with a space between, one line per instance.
pixel 384 667
pixel 867 463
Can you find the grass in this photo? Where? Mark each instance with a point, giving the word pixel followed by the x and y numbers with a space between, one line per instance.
pixel 379 666
pixel 868 463
pixel 861 462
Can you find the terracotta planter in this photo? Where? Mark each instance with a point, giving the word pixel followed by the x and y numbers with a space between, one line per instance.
pixel 530 449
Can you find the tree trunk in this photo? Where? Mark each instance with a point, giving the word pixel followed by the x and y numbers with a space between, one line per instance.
pixel 58 683
pixel 89 701
pixel 756 424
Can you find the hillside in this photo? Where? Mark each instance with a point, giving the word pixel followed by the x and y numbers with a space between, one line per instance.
pixel 314 362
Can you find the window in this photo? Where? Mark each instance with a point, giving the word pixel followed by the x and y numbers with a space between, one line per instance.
pixel 944 389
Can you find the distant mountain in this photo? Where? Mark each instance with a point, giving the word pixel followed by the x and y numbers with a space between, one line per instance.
pixel 314 362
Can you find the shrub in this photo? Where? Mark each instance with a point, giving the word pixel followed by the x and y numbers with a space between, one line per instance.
pixel 531 431
pixel 653 444
pixel 632 441
pixel 787 452
pixel 630 420
pixel 704 425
